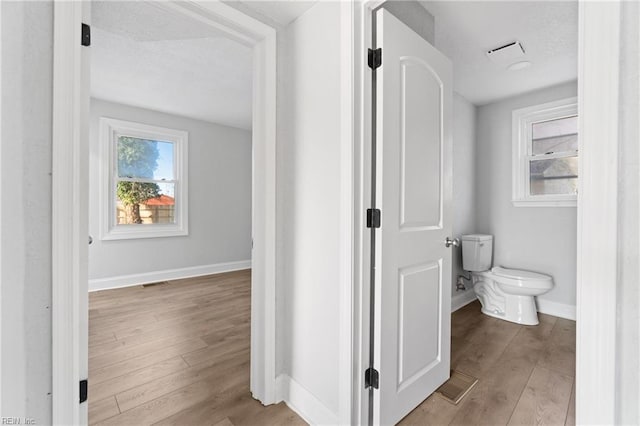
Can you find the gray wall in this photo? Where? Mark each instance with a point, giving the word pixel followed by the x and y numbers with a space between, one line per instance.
pixel 540 239
pixel 25 217
pixel 464 176
pixel 219 172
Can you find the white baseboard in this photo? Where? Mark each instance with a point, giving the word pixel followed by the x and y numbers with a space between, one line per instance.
pixel 303 402
pixel 165 275
pixel 556 309
pixel 462 299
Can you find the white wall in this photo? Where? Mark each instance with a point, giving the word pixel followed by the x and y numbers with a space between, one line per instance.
pixel 413 15
pixel 541 239
pixel 310 209
pixel 219 174
pixel 25 218
pixel 464 194
pixel 628 297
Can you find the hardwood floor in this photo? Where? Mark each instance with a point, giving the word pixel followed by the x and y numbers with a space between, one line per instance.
pixel 526 374
pixel 175 354
pixel 178 354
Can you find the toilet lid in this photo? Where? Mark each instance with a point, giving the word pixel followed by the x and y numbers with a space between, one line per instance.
pixel 519 274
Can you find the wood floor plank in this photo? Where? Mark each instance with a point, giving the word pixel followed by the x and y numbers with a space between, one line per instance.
pixel 560 352
pixel 162 407
pixel 177 332
pixel 227 345
pixel 101 338
pixel 124 352
pixel 571 411
pixel 212 383
pixel 466 320
pixel 185 321
pixel 434 411
pixel 545 399
pixel 494 330
pixel 103 409
pixel 149 391
pixel 121 321
pixel 538 335
pixel 215 409
pixel 224 422
pixel 119 384
pixel 123 367
pixel 476 358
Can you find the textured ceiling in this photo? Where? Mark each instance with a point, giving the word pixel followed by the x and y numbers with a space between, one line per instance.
pixel 143 56
pixel 274 13
pixel 548 31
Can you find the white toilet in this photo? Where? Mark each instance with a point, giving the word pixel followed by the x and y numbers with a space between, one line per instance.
pixel 504 293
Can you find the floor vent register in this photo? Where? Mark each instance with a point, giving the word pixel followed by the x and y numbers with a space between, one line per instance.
pixel 458 385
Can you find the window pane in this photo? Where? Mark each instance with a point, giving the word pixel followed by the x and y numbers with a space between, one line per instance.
pixel 144 158
pixel 559 135
pixel 554 176
pixel 145 203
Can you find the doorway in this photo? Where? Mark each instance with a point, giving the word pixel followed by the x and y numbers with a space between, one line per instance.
pixel 367 189
pixel 169 215
pixel 70 251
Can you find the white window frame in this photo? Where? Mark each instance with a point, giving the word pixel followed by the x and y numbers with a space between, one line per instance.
pixel 523 119
pixel 110 130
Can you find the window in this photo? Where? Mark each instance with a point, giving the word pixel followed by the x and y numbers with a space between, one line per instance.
pixel 545 155
pixel 144 185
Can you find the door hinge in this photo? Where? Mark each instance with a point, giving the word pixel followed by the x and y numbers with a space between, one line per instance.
pixel 375 58
pixel 373 218
pixel 85 38
pixel 371 378
pixel 84 389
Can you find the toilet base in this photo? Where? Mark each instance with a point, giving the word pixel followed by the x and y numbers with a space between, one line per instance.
pixel 509 307
pixel 523 321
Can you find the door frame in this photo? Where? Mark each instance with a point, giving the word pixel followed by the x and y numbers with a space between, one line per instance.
pixel 69 182
pixel 599 29
pixel 362 191
pixel 597 269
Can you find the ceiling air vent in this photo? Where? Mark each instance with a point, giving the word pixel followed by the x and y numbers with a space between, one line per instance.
pixel 507 54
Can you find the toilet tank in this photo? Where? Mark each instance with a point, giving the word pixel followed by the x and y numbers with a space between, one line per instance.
pixel 477 250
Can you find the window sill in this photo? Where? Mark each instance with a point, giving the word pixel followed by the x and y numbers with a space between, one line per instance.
pixel 132 232
pixel 545 203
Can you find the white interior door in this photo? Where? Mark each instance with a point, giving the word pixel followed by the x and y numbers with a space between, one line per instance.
pixel 414 101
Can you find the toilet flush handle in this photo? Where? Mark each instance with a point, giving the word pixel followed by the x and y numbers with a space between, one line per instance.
pixel 449 242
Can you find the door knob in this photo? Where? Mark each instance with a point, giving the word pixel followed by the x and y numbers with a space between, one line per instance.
pixel 90 239
pixel 449 242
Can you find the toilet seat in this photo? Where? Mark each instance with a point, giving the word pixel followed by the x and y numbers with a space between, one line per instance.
pixel 522 279
pixel 518 274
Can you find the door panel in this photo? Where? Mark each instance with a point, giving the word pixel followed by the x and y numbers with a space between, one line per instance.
pixel 413 286
pixel 419 326
pixel 420 202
